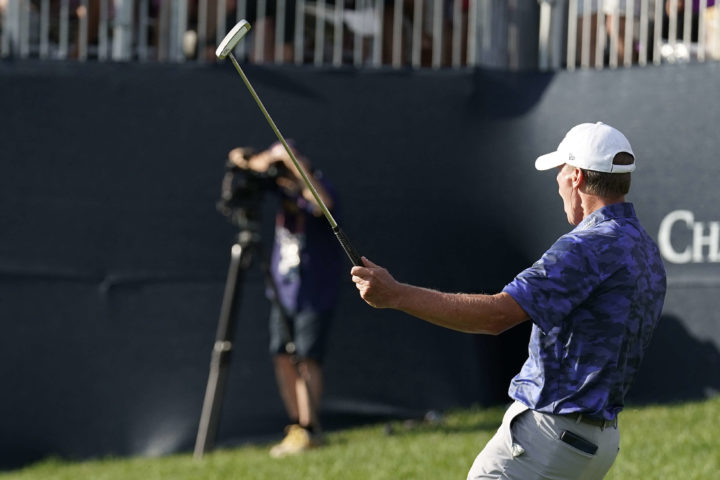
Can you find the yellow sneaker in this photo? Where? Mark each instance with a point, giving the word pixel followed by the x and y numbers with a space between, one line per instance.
pixel 297 440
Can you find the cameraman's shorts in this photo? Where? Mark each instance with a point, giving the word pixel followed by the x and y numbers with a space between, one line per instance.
pixel 308 330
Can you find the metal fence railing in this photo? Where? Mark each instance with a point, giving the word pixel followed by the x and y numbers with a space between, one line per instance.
pixel 417 33
pixel 512 34
pixel 614 33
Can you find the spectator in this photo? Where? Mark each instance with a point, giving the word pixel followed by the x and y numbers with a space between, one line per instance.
pixel 680 18
pixel 610 9
pixel 263 28
pixel 192 41
pixel 712 33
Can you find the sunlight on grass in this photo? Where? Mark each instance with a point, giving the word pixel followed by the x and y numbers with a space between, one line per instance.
pixel 658 442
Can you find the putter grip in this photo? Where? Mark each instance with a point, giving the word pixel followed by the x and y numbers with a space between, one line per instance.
pixel 351 253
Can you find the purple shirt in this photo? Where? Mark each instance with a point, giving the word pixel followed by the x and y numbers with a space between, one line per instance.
pixel 594 299
pixel 306 260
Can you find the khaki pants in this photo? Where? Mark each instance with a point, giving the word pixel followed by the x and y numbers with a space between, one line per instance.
pixel 527 446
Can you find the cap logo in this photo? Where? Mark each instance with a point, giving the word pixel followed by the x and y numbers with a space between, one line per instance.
pixel 571 157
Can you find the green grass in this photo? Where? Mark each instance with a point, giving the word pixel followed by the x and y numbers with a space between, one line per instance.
pixel 679 442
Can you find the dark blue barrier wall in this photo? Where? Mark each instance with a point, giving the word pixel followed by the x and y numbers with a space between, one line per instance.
pixel 113 258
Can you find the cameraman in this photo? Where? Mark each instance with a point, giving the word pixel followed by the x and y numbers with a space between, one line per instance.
pixel 305 266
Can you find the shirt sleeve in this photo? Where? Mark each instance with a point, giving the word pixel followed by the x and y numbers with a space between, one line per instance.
pixel 562 279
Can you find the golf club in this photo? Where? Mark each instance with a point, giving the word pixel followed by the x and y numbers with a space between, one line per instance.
pixel 225 50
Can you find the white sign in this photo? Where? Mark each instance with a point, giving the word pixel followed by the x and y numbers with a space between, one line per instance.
pixel 701 243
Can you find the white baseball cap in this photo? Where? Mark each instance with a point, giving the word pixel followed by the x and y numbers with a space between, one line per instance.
pixel 590 146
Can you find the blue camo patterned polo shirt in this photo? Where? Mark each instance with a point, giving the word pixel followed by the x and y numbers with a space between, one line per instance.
pixel 594 299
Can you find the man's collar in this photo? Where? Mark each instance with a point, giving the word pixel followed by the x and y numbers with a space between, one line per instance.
pixel 608 212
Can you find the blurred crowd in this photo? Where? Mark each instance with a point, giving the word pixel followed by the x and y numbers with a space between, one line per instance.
pixel 417 33
pixel 278 27
pixel 607 24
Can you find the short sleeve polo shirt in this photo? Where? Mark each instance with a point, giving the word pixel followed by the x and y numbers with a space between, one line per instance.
pixel 594 299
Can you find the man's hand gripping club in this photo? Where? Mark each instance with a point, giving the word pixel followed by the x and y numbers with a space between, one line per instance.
pixel 377 287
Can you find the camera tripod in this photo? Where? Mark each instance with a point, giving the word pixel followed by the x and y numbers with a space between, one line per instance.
pixel 241 258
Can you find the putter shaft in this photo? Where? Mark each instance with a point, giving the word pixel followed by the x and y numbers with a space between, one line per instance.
pixel 352 254
pixel 280 137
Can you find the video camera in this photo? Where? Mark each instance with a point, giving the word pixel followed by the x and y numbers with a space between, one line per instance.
pixel 242 190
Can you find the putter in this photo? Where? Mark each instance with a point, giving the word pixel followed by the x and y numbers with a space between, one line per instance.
pixel 225 50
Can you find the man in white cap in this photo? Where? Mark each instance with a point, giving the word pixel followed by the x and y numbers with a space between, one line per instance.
pixel 594 299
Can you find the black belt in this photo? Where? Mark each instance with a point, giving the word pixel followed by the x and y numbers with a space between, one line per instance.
pixel 590 420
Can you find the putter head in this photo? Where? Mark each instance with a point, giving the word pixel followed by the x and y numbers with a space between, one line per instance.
pixel 232 38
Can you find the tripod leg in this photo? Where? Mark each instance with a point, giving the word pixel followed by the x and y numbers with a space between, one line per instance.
pixel 220 357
